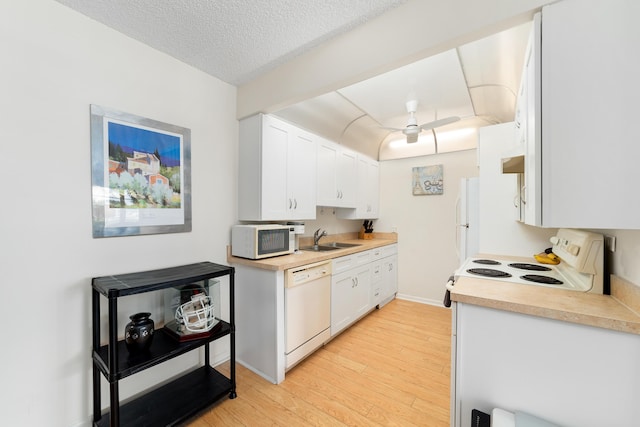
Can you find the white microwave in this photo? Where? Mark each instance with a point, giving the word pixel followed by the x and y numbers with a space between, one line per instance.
pixel 256 241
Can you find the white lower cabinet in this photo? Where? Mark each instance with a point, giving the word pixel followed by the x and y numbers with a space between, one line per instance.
pixel 360 282
pixel 350 297
pixel 384 274
pixel 569 374
pixel 389 277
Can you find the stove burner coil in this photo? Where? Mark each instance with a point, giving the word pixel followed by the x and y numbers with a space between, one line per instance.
pixel 486 261
pixel 531 267
pixel 488 272
pixel 541 279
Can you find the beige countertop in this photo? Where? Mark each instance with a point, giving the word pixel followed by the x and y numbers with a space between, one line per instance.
pixel 618 311
pixel 286 262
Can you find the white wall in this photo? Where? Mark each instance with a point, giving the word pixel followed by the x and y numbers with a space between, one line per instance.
pixel 426 225
pixel 54 64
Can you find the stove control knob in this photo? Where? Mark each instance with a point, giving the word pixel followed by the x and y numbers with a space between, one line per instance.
pixel 573 249
pixel 555 240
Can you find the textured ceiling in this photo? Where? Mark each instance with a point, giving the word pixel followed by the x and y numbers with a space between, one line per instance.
pixel 233 40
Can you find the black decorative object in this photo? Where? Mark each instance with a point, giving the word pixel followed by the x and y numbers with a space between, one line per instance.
pixel 138 334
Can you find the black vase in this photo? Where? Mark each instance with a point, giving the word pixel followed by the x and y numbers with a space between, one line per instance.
pixel 138 334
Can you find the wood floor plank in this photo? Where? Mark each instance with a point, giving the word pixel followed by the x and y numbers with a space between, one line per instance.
pixel 391 368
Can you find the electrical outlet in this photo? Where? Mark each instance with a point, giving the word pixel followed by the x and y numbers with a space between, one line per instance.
pixel 394 229
pixel 610 243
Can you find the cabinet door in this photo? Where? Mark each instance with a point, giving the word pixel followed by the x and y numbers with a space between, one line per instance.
pixel 326 174
pixel 276 171
pixel 389 276
pixel 301 179
pixel 342 286
pixel 367 194
pixel 530 195
pixel 350 297
pixel 361 294
pixel 377 283
pixel 346 178
pixel 590 92
pixel 275 145
pixel 372 189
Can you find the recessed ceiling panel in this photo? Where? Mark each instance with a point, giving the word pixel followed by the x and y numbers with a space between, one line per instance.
pixel 437 83
pixel 326 115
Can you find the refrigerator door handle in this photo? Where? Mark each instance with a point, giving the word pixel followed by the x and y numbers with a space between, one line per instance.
pixel 458 221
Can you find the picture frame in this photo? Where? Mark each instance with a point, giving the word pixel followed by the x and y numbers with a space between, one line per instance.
pixel 428 180
pixel 140 173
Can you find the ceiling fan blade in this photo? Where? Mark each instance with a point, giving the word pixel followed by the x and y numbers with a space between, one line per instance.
pixel 391 129
pixel 441 122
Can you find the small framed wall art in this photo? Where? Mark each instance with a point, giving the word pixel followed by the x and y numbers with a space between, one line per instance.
pixel 428 180
pixel 141 175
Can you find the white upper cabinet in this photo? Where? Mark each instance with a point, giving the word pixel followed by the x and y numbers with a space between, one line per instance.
pixel 582 137
pixel 367 193
pixel 336 175
pixel 530 134
pixel 277 171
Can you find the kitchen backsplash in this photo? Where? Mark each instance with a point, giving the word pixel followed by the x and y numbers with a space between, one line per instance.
pixel 326 219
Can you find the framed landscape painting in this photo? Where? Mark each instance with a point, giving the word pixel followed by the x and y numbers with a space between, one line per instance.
pixel 141 175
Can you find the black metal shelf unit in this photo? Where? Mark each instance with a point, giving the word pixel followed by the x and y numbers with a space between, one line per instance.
pixel 183 397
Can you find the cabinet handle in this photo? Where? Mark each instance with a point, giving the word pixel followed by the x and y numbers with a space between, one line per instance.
pixel 289 203
pixel 523 193
pixel 295 203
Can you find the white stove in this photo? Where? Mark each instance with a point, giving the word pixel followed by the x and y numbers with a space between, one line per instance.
pixel 581 267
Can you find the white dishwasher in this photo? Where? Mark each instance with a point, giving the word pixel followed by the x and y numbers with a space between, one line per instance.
pixel 307 317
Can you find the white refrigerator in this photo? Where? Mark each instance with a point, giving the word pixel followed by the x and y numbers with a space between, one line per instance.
pixel 468 219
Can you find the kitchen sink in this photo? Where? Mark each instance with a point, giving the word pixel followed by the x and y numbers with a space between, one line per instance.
pixel 340 245
pixel 329 247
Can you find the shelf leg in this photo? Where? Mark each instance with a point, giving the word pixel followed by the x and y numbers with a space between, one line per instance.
pixel 114 421
pixel 114 399
pixel 232 335
pixel 95 327
pixel 97 398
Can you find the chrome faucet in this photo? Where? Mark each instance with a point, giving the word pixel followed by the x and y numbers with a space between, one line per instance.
pixel 317 236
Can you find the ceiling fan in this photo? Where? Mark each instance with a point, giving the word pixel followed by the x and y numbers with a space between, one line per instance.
pixel 413 129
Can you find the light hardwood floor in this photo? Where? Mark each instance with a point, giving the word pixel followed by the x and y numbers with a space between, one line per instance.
pixel 392 368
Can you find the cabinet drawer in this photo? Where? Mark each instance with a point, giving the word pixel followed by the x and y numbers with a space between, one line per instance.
pixel 344 263
pixel 383 251
pixel 376 271
pixel 362 258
